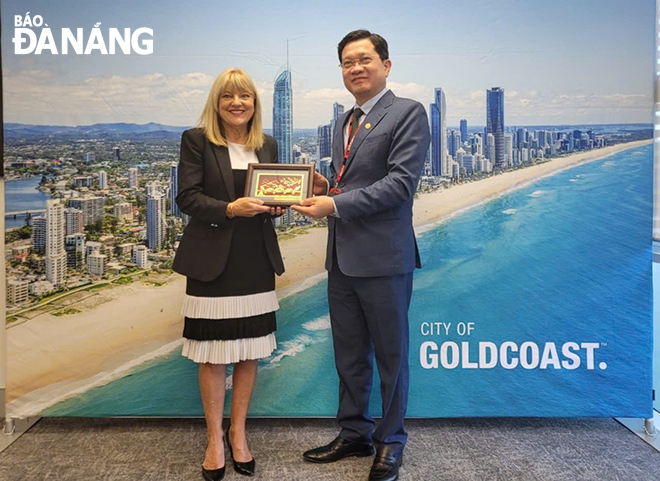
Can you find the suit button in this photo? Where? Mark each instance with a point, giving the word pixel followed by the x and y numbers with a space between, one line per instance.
pixel 214 225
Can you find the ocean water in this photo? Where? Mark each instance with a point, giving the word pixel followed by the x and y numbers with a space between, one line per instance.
pixel 565 259
pixel 23 195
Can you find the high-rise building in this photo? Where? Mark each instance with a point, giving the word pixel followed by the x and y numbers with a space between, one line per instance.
pixel 521 138
pixel 55 253
pixel 495 123
pixel 91 207
pixel 89 157
pixel 454 142
pixel 325 140
pixel 174 189
pixel 464 132
pixel 73 220
pixel 468 164
pixel 438 110
pixel 74 245
pixel 133 178
pixel 283 125
pixel 508 149
pixel 39 234
pixel 103 180
pixel 83 181
pixel 156 221
pixel 140 257
pixel 337 111
pixel 490 148
pixel 323 167
pixel 123 211
pixel 283 117
pixel 116 155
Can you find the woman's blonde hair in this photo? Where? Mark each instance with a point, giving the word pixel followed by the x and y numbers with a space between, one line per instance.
pixel 232 79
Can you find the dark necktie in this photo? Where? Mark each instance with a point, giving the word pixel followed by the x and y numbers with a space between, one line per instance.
pixel 357 113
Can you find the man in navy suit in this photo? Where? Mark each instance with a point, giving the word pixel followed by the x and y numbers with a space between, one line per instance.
pixel 378 153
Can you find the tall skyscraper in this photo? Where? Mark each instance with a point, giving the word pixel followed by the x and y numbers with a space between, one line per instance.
pixel 55 253
pixel 116 154
pixel 156 223
pixel 283 124
pixel 521 138
pixel 454 143
pixel 174 188
pixel 325 141
pixel 133 178
pixel 39 233
pixel 283 117
pixel 438 111
pixel 103 180
pixel 495 123
pixel 337 110
pixel 73 220
pixel 89 157
pixel 464 133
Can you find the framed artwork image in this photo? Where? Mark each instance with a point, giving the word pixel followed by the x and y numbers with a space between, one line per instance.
pixel 280 184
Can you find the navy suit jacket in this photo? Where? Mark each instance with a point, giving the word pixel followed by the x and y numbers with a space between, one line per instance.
pixel 373 235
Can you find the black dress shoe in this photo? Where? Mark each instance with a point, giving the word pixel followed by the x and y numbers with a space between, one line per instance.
pixel 338 449
pixel 213 474
pixel 386 464
pixel 246 468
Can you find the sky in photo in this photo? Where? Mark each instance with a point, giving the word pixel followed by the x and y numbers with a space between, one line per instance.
pixel 560 62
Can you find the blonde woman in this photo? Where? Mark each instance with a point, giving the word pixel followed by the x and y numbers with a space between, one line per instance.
pixel 230 255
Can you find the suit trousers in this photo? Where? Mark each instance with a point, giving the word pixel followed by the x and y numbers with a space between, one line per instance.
pixel 369 316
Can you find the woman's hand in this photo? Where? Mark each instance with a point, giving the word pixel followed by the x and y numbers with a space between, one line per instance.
pixel 247 207
pixel 277 210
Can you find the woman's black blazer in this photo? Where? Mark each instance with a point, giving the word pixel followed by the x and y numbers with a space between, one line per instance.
pixel 206 186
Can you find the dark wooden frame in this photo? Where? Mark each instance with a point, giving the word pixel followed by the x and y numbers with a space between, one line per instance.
pixel 282 169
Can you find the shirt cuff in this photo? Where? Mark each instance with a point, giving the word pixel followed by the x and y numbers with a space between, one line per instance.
pixel 336 212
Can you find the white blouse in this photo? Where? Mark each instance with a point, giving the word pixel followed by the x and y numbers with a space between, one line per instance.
pixel 240 157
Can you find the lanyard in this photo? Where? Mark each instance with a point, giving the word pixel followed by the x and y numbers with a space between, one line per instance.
pixel 351 138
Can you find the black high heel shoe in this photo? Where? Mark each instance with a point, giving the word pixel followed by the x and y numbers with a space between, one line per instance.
pixel 213 474
pixel 247 468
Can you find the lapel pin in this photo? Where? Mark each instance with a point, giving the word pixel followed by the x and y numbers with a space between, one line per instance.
pixel 367 126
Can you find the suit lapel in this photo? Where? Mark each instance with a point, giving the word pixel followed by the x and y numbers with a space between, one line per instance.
pixel 262 155
pixel 375 116
pixel 222 157
pixel 338 140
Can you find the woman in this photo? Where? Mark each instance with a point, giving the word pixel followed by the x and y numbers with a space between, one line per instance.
pixel 230 255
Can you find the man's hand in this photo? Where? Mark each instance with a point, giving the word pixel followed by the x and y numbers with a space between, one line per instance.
pixel 316 207
pixel 321 185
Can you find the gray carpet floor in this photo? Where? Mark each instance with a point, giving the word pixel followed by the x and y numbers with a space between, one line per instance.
pixel 442 449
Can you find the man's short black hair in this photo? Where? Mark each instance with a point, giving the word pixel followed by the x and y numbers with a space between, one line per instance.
pixel 380 44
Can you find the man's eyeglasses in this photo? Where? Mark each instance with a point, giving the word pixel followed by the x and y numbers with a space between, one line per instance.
pixel 349 64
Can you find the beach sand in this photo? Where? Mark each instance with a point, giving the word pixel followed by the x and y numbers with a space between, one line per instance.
pixel 49 356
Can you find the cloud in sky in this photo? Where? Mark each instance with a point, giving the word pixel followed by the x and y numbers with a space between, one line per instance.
pixel 35 96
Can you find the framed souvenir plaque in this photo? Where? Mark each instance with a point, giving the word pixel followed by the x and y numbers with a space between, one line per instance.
pixel 280 184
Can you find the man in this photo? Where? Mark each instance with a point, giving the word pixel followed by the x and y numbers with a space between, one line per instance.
pixel 378 153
